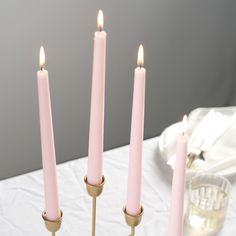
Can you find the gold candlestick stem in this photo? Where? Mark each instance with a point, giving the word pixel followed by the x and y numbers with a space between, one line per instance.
pixel 132 231
pixel 94 191
pixel 52 225
pixel 133 220
pixel 94 216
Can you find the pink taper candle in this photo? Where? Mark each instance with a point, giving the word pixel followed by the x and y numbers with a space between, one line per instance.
pixel 133 205
pixel 178 184
pixel 47 143
pixel 95 152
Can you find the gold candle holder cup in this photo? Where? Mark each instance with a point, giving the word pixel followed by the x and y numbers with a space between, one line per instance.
pixel 52 225
pixel 133 220
pixel 94 190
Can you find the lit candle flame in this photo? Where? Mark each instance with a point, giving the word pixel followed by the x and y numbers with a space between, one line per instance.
pixel 140 56
pixel 100 20
pixel 185 124
pixel 42 58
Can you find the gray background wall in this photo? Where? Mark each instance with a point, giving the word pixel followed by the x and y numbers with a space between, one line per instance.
pixel 190 56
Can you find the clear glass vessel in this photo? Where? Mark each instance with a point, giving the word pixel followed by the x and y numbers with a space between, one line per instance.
pixel 208 202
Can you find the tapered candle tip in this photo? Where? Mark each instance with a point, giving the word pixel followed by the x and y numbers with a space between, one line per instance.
pixel 185 124
pixel 42 58
pixel 100 20
pixel 140 61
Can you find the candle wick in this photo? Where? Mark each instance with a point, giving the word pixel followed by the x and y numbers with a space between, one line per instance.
pixel 41 68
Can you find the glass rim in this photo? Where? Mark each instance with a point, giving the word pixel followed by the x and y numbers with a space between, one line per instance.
pixel 204 174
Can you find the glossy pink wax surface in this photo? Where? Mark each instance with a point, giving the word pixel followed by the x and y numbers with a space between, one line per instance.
pixel 48 149
pixel 95 152
pixel 136 139
pixel 178 188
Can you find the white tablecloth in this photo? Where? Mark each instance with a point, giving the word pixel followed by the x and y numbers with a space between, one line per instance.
pixel 22 199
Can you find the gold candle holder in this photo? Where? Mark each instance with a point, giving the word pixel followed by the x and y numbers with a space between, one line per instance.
pixel 94 191
pixel 133 220
pixel 52 225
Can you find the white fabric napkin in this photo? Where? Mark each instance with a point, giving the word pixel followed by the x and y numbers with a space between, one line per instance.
pixel 211 130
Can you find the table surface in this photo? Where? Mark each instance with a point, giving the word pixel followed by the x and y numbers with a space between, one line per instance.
pixel 22 198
